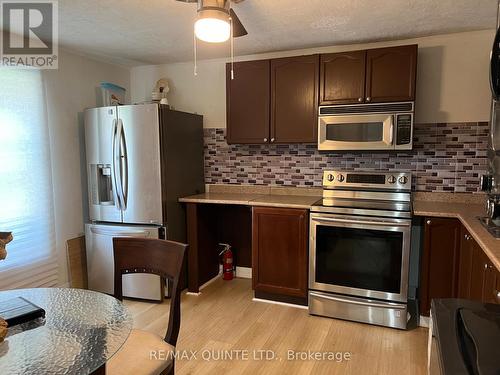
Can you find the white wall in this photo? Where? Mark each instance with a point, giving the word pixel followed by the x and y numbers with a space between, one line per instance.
pixel 452 79
pixel 69 90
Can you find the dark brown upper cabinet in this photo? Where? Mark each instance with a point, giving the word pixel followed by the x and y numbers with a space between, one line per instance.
pixel 294 99
pixel 391 74
pixel 247 102
pixel 342 78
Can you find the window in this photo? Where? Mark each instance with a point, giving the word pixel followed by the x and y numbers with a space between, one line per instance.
pixel 26 206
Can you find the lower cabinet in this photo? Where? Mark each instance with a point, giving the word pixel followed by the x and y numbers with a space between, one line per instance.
pixel 440 261
pixel 490 277
pixel 279 251
pixel 479 266
pixel 468 250
pixel 455 266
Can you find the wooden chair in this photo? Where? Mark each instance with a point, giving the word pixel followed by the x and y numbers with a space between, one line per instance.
pixel 159 257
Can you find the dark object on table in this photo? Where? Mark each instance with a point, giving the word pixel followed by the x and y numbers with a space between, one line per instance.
pixel 465 336
pixel 162 258
pixel 5 238
pixel 19 310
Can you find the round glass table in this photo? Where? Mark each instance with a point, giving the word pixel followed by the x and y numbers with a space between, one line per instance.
pixel 81 330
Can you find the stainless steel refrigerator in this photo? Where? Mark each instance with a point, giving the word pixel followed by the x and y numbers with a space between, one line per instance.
pixel 140 160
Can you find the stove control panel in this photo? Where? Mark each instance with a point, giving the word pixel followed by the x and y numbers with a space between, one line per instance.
pixel 377 180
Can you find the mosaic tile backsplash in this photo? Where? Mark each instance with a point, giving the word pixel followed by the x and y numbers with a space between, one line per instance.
pixel 446 157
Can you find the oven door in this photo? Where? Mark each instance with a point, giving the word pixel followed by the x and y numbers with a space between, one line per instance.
pixel 356 132
pixel 360 256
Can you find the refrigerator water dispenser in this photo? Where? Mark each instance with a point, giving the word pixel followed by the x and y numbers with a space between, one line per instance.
pixel 102 185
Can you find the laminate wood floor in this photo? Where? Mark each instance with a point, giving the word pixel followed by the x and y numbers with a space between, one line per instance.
pixel 224 321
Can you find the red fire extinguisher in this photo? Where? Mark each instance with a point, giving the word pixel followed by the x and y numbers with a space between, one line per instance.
pixel 227 262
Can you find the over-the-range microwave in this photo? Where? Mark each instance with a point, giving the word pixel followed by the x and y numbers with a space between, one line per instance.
pixel 364 127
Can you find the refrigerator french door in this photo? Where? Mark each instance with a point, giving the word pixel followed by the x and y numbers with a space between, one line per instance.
pixel 123 164
pixel 100 265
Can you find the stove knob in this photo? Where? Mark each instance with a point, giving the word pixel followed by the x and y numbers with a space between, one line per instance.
pixel 391 179
pixel 330 177
pixel 403 180
pixel 340 178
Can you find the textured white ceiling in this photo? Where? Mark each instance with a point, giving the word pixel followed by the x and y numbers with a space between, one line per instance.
pixel 136 32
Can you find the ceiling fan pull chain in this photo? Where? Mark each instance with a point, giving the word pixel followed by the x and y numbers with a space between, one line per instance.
pixel 195 57
pixel 232 50
pixel 232 43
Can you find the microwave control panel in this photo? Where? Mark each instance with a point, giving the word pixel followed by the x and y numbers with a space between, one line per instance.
pixel 403 126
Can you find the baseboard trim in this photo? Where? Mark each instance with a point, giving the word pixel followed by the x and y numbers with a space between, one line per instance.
pixel 280 303
pixel 213 279
pixel 423 321
pixel 244 272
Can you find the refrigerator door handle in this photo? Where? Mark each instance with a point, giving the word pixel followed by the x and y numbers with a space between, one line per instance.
pixel 117 163
pixel 113 166
pixel 104 232
pixel 123 165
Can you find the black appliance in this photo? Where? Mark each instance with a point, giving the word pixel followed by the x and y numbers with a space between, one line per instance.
pixel 464 337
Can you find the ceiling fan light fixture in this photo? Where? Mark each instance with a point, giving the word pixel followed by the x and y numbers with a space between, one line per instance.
pixel 212 26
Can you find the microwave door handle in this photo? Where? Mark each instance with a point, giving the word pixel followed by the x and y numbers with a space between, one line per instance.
pixel 391 133
pixel 114 165
pixel 362 222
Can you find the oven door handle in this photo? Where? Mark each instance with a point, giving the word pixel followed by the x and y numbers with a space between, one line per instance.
pixel 385 305
pixel 363 222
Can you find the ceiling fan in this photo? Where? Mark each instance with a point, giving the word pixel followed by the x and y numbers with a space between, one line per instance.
pixel 215 19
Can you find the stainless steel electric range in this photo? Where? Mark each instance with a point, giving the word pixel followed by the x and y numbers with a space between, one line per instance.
pixel 360 246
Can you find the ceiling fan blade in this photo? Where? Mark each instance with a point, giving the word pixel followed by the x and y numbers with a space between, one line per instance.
pixel 238 28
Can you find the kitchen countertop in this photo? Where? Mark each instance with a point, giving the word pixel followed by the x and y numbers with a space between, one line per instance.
pixel 465 207
pixel 467 213
pixel 264 200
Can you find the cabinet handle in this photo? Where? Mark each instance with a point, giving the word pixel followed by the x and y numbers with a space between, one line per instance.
pixel 429 222
pixel 368 99
pixel 272 140
pixel 265 139
pixel 498 296
pixel 485 266
pixel 360 100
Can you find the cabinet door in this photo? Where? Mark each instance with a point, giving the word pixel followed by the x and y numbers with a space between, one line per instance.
pixel 248 102
pixel 279 251
pixel 342 78
pixel 391 74
pixel 440 261
pixel 465 267
pixel 294 99
pixel 478 273
pixel 491 288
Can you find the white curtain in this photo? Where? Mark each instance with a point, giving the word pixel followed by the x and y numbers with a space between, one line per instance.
pixel 26 206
